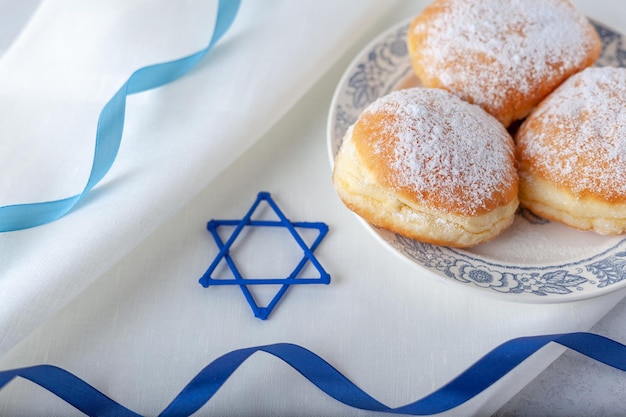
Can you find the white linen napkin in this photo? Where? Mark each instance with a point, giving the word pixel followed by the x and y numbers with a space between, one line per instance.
pixel 146 327
pixel 72 57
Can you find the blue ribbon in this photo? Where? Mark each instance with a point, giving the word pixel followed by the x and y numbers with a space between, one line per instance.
pixel 201 389
pixel 110 127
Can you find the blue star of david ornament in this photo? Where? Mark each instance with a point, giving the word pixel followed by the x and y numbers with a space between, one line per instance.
pixel 293 278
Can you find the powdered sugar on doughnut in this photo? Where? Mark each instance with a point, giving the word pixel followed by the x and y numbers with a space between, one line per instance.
pixel 577 137
pixel 442 150
pixel 485 49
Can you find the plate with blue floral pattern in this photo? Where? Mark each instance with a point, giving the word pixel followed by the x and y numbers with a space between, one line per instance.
pixel 534 260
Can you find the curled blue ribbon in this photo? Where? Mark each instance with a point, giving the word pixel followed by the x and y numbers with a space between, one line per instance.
pixel 110 127
pixel 327 378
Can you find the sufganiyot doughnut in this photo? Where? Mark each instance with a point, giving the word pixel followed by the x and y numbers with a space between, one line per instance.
pixel 572 153
pixel 505 56
pixel 429 166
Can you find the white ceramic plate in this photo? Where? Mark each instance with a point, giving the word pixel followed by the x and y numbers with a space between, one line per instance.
pixel 534 260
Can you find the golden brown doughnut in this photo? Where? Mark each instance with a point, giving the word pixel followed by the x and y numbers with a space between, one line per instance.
pixel 572 153
pixel 505 56
pixel 429 166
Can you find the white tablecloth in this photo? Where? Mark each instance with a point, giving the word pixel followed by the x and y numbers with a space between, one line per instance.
pixel 110 292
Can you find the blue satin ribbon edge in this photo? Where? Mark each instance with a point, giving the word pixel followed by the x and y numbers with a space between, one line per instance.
pixel 110 127
pixel 478 377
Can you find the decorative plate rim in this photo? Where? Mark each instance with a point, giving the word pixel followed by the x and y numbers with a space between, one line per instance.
pixel 589 277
